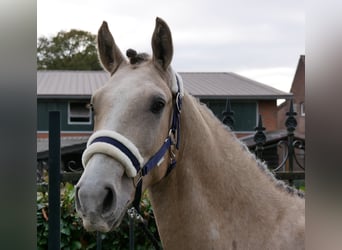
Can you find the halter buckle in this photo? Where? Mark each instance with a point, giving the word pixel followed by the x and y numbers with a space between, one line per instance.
pixel 133 214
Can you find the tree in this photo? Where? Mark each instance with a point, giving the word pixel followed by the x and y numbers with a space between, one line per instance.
pixel 73 50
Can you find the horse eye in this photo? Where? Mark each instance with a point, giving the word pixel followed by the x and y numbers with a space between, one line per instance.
pixel 157 106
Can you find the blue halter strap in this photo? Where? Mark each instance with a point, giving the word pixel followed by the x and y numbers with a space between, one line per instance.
pixel 172 139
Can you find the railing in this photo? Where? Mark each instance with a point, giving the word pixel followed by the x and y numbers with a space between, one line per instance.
pixel 287 146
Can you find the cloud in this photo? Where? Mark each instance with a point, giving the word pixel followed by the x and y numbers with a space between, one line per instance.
pixel 280 78
pixel 215 35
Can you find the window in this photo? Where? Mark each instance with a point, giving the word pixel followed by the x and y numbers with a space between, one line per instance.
pixel 295 107
pixel 245 112
pixel 79 113
pixel 302 109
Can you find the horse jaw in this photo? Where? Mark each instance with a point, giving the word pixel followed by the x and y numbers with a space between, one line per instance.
pixel 103 194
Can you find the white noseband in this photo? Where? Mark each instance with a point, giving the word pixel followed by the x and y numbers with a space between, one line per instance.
pixel 94 147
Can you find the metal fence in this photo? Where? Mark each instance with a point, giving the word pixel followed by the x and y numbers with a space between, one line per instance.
pixel 288 148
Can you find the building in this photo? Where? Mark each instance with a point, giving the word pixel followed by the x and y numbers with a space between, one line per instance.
pixel 276 139
pixel 70 92
pixel 298 91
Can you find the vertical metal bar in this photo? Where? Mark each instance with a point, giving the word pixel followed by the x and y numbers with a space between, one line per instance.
pixel 98 241
pixel 291 124
pixel 131 233
pixel 54 238
pixel 228 116
pixel 259 138
pixel 291 154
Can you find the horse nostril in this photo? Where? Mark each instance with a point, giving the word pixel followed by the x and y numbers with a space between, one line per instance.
pixel 108 201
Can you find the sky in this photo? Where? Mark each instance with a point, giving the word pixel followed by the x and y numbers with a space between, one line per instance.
pixel 261 40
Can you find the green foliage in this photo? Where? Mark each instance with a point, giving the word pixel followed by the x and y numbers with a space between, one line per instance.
pixel 73 50
pixel 299 184
pixel 74 237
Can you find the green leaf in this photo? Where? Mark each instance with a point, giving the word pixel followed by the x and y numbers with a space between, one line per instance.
pixel 65 230
pixel 76 245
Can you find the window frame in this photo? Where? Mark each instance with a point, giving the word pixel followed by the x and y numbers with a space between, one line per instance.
pixel 70 122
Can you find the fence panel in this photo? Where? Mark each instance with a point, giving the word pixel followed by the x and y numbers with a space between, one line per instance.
pixel 289 145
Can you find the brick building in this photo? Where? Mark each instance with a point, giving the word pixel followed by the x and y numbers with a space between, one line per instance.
pixel 298 91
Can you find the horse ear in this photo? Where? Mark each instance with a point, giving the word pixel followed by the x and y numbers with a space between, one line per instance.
pixel 162 44
pixel 109 54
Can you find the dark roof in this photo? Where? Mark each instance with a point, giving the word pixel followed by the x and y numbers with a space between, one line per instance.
pixel 81 84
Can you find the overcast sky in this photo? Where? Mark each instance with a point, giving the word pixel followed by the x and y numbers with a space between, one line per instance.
pixel 259 39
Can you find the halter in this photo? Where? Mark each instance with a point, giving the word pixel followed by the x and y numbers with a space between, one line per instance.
pixel 123 150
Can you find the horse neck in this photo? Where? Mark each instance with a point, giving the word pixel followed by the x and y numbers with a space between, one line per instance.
pixel 216 179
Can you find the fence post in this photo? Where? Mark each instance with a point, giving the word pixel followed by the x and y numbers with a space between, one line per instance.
pixel 259 138
pixel 98 241
pixel 228 116
pixel 291 124
pixel 54 238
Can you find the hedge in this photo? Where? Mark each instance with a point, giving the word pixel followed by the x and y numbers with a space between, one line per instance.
pixel 73 236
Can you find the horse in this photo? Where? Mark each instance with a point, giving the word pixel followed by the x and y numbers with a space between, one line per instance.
pixel 206 189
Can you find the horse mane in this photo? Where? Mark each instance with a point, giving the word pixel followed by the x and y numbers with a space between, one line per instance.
pixel 278 183
pixel 136 59
pixel 262 166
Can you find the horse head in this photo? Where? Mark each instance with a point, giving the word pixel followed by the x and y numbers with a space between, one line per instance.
pixel 132 112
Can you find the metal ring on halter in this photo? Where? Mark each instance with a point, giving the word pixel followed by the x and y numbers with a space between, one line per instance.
pixel 172 136
pixel 137 178
pixel 178 99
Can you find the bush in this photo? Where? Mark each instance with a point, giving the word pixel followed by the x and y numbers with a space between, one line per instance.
pixel 73 236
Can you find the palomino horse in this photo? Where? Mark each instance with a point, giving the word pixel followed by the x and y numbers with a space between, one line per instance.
pixel 218 196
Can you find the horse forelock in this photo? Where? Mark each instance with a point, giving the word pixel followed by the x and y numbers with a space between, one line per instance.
pixel 137 58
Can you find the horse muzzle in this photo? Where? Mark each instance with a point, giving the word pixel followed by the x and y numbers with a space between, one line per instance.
pixel 103 194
